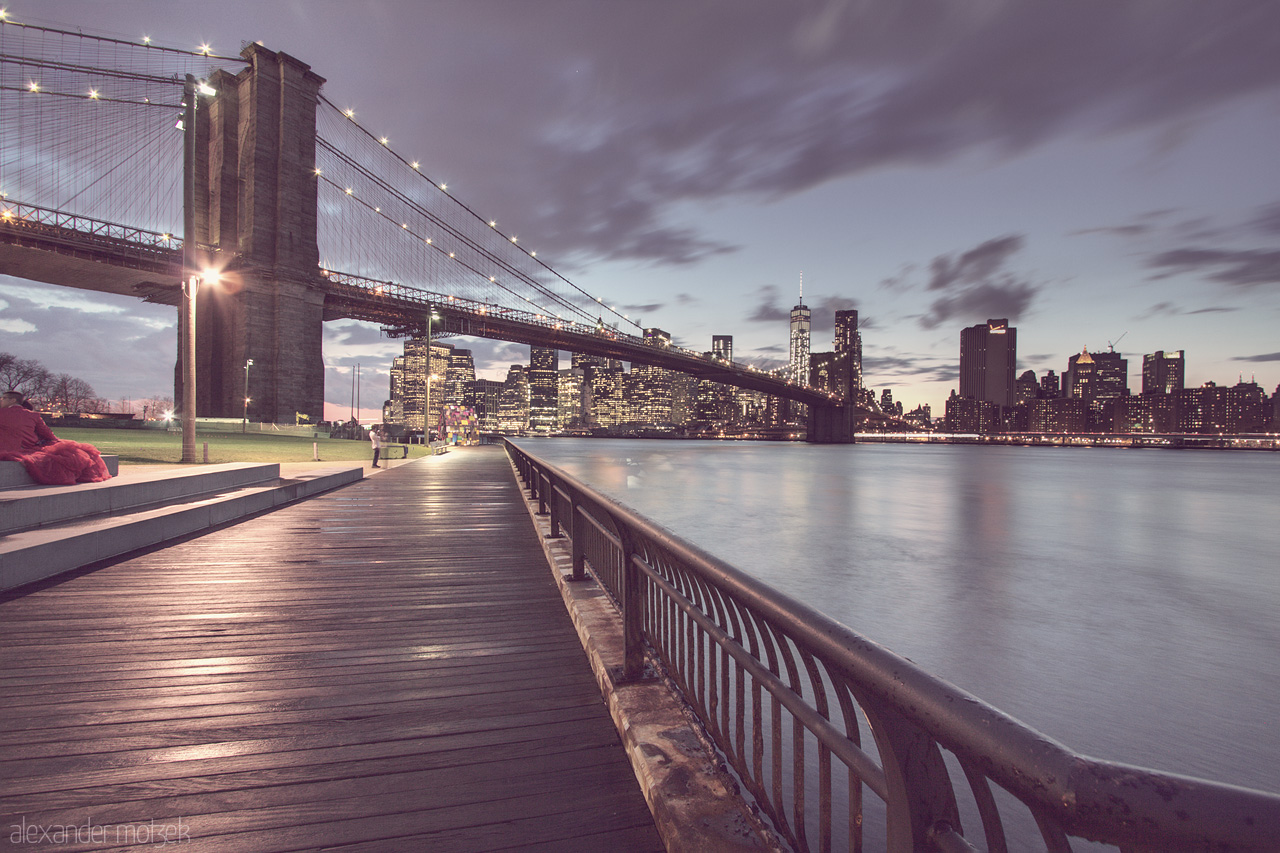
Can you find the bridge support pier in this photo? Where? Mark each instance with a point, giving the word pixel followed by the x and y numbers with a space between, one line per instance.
pixel 255 199
pixel 834 424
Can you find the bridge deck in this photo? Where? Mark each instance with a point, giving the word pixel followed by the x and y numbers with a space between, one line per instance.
pixel 386 667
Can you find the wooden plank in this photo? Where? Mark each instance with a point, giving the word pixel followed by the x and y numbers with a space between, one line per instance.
pixel 388 666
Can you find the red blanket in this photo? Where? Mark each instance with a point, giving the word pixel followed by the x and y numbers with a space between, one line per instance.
pixel 62 463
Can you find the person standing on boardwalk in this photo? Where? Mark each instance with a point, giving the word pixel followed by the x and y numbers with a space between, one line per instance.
pixel 375 438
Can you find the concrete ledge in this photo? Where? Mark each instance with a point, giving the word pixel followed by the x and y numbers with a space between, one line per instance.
pixel 14 474
pixel 44 552
pixel 39 506
pixel 696 804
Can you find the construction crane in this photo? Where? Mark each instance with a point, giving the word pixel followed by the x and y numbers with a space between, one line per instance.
pixel 1112 344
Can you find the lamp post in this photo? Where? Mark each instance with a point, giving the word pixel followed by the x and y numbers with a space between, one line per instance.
pixel 190 280
pixel 244 424
pixel 426 404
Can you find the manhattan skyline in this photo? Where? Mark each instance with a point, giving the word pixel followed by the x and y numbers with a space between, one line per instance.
pixel 1099 173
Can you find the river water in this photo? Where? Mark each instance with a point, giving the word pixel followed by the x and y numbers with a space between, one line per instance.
pixel 1124 602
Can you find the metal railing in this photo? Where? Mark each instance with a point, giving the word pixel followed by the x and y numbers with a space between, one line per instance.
pixel 85 229
pixel 785 693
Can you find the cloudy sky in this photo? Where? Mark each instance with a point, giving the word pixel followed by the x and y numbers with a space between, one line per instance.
pixel 1097 171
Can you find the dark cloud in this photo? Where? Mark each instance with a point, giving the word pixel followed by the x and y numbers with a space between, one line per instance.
pixel 1270 356
pixel 1235 267
pixel 1008 298
pixel 587 139
pixel 974 266
pixel 824 312
pixel 646 308
pixel 978 285
pixel 768 310
pixel 1268 220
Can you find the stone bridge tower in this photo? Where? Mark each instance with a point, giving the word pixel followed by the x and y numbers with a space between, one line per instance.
pixel 255 210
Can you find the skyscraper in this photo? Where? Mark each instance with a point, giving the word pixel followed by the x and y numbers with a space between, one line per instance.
pixel 847 376
pixel 544 373
pixel 722 347
pixel 988 355
pixel 801 322
pixel 1163 372
pixel 1098 378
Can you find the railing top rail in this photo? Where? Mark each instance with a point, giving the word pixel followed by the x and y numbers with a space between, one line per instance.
pixel 1095 799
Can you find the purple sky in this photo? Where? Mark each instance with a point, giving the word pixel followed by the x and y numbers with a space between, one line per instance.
pixel 1089 170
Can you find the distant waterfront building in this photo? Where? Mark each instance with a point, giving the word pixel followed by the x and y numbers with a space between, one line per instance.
pixel 488 401
pixel 459 379
pixel 1026 388
pixel 423 366
pixel 722 348
pixel 1163 372
pixel 572 402
pixel 801 323
pixel 544 372
pixel 847 374
pixel 513 405
pixel 1050 386
pixel 1097 378
pixel 988 355
pixel 651 398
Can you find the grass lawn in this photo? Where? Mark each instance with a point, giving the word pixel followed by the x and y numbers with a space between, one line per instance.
pixel 153 446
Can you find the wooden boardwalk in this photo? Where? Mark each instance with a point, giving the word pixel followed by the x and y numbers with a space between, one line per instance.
pixel 384 667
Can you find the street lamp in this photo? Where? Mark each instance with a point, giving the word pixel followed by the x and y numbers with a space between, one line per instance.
pixel 190 287
pixel 426 405
pixel 244 424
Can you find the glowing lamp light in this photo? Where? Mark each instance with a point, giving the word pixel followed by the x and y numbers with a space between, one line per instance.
pixel 318 172
pixel 146 39
pixel 414 164
pixel 493 223
pixel 33 86
pixel 533 254
pixel 383 140
pixel 451 254
pixel 513 239
pixel 444 186
pixel 93 94
pixel 350 191
pixel 4 15
pixel 205 49
pixel 349 113
pixel 205 89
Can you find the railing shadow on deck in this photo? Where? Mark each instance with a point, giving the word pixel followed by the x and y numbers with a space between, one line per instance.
pixel 785 693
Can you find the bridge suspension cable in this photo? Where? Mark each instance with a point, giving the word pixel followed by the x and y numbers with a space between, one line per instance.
pixel 87 123
pixel 420 217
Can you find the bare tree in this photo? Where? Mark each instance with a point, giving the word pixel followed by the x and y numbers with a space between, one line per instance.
pixel 20 374
pixel 66 393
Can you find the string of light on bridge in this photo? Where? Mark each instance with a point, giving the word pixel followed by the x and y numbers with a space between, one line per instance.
pixel 413 169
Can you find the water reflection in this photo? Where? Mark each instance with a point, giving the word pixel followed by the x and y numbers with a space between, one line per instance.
pixel 1107 597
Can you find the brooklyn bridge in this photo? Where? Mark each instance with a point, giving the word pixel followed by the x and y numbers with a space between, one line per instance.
pixel 152 172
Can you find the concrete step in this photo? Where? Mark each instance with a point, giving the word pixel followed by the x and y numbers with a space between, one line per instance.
pixel 48 550
pixel 29 507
